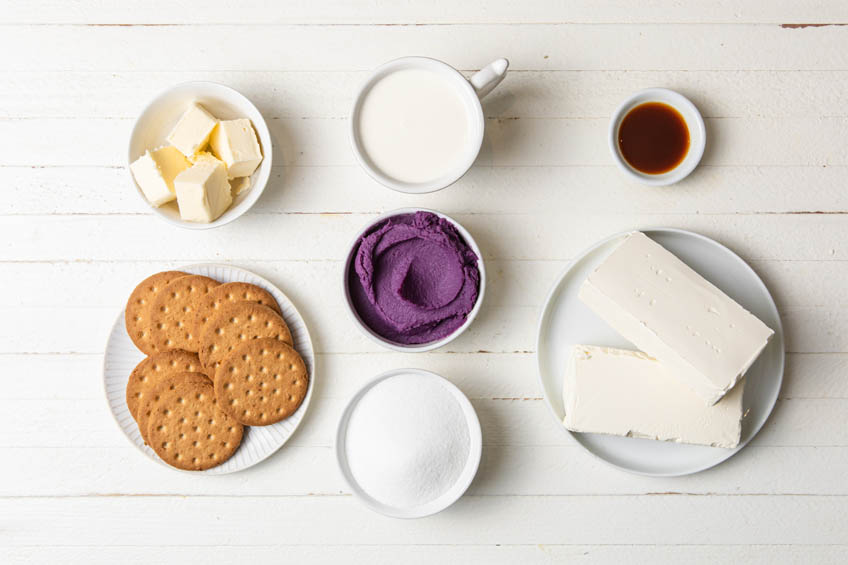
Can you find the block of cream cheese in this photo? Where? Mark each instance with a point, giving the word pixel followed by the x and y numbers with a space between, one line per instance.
pixel 628 393
pixel 155 172
pixel 192 132
pixel 203 190
pixel 666 309
pixel 235 143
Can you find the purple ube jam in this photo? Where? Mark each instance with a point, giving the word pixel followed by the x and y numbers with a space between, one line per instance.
pixel 413 279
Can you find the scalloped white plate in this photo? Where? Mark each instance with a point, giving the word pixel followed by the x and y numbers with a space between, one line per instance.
pixel 259 442
pixel 567 321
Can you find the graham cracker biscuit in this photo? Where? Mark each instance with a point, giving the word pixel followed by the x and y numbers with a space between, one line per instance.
pixel 137 313
pixel 149 402
pixel 154 369
pixel 261 382
pixel 187 429
pixel 172 313
pixel 234 324
pixel 229 293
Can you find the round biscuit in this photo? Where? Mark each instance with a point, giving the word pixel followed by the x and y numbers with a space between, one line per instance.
pixel 137 312
pixel 261 382
pixel 230 293
pixel 172 313
pixel 187 429
pixel 234 324
pixel 154 369
pixel 148 404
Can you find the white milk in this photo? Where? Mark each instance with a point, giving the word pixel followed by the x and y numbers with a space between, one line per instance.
pixel 413 126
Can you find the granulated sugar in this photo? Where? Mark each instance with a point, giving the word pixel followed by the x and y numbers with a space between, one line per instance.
pixel 407 440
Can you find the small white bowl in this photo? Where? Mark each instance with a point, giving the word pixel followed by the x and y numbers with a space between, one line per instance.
pixel 475 436
pixel 424 346
pixel 161 115
pixel 694 122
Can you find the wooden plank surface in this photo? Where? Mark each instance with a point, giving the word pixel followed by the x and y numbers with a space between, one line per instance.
pixel 432 553
pixel 467 46
pixel 487 520
pixel 427 11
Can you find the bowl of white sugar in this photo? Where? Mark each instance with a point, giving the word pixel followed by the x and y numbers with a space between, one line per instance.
pixel 409 443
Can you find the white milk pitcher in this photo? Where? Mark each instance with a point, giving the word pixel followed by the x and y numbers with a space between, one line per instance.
pixel 417 124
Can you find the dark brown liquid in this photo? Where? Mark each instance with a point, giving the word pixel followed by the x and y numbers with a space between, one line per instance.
pixel 653 138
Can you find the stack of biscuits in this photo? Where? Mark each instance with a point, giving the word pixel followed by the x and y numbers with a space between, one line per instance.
pixel 219 357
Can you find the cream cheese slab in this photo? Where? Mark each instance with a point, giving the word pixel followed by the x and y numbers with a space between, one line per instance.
pixel 666 309
pixel 155 172
pixel 191 134
pixel 628 393
pixel 235 143
pixel 203 191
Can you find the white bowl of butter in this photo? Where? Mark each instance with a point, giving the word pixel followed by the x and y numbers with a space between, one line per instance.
pixel 157 121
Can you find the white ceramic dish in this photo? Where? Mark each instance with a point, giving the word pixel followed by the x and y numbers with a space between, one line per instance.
pixel 566 321
pixel 694 122
pixel 475 435
pixel 161 115
pixel 259 442
pixel 471 90
pixel 425 346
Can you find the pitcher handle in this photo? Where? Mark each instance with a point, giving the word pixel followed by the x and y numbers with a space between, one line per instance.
pixel 487 78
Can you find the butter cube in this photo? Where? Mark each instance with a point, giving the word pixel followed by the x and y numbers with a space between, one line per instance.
pixel 239 185
pixel 203 190
pixel 235 143
pixel 200 155
pixel 155 172
pixel 191 133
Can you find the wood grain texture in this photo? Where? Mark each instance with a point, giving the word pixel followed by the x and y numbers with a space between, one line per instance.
pixel 505 470
pixel 433 553
pixel 604 520
pixel 527 94
pixel 426 11
pixel 75 238
pixel 466 46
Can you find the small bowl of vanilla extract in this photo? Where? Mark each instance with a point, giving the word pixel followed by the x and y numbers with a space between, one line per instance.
pixel 657 136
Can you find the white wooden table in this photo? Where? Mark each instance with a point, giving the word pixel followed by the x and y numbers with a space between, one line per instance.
pixel 75 238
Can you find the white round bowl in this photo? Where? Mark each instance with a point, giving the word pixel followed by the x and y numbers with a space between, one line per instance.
pixel 474 112
pixel 694 122
pixel 160 116
pixel 415 348
pixel 475 436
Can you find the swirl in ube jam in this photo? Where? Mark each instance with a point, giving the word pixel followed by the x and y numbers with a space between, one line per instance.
pixel 413 279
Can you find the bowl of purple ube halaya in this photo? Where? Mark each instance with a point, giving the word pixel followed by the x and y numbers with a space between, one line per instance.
pixel 414 280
